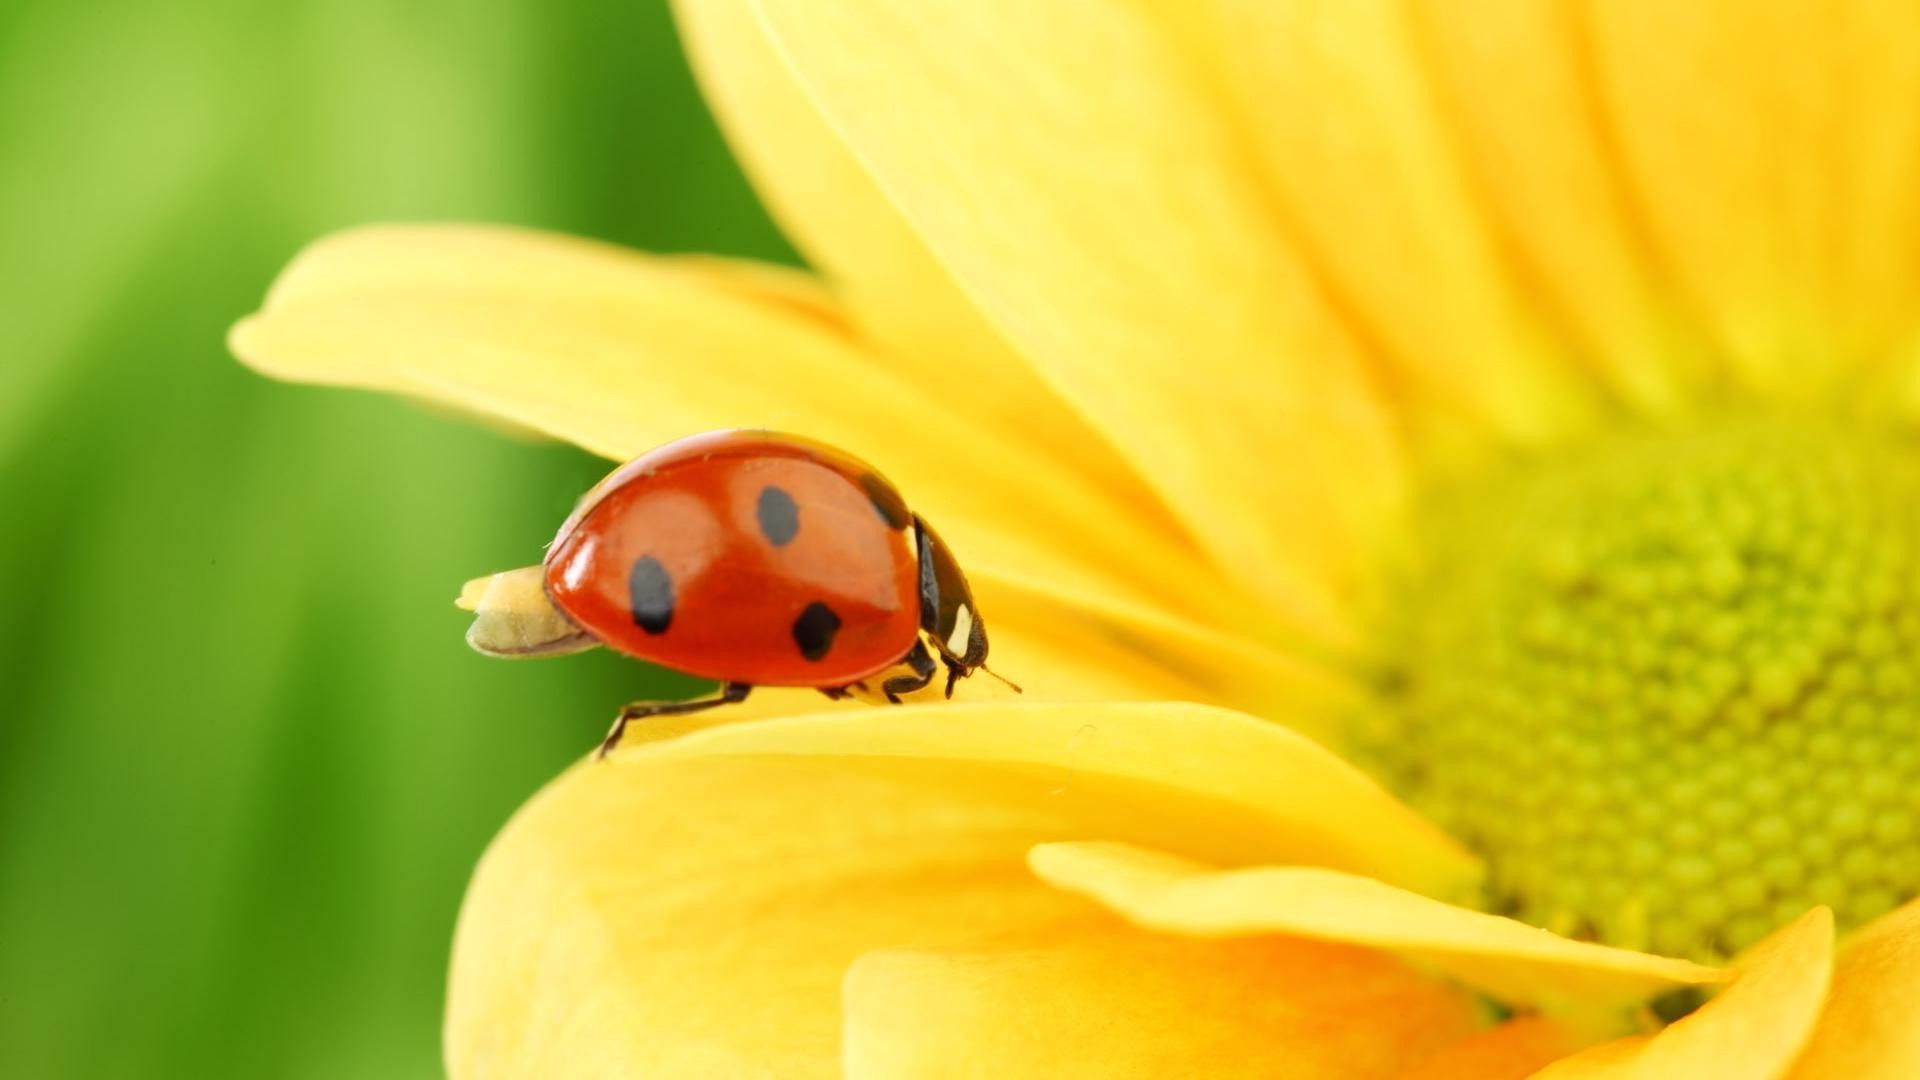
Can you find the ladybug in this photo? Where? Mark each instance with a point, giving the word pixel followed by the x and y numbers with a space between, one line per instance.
pixel 751 558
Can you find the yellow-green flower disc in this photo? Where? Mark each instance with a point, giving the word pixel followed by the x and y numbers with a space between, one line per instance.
pixel 1669 684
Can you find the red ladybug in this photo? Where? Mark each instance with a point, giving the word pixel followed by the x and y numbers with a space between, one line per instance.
pixel 751 558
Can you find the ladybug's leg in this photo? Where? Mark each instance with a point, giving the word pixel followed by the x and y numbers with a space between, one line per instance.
pixel 955 671
pixel 730 694
pixel 923 667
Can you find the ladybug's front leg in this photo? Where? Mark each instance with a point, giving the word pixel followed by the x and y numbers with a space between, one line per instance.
pixel 921 661
pixel 730 694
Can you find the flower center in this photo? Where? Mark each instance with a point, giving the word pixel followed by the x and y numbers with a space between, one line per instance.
pixel 1669 685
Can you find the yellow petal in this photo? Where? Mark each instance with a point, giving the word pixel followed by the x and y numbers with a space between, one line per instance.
pixel 1751 1031
pixel 1062 654
pixel 1870 1029
pixel 619 353
pixel 1510 1051
pixel 892 286
pixel 690 906
pixel 1510 960
pixel 1336 100
pixel 1512 85
pixel 763 284
pixel 1108 227
pixel 1094 998
pixel 1235 790
pixel 1107 649
pixel 655 917
pixel 1876 283
pixel 1743 137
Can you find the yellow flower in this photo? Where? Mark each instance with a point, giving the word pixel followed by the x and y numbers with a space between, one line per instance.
pixel 1515 397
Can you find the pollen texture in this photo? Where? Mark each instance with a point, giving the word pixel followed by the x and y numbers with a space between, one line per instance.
pixel 1669 686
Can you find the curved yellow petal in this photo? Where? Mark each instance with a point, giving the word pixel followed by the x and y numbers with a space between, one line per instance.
pixel 1510 960
pixel 1336 101
pixel 1094 998
pixel 1751 1031
pixel 1108 226
pixel 1230 788
pixel 1870 1029
pixel 689 905
pixel 891 285
pixel 619 352
pixel 648 916
pixel 1511 1051
pixel 1769 145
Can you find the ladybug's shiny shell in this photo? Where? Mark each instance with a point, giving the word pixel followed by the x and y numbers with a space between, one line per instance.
pixel 747 557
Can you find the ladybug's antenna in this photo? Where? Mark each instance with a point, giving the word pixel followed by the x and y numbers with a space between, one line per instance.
pixel 1010 683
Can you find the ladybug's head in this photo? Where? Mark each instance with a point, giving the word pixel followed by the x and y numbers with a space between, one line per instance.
pixel 947 611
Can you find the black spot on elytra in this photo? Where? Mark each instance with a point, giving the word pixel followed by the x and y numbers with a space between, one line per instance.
pixel 650 591
pixel 779 516
pixel 813 631
pixel 886 501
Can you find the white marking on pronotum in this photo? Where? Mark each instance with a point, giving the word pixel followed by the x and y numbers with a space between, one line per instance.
pixel 962 630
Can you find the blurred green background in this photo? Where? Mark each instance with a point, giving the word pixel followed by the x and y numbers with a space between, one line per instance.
pixel 246 760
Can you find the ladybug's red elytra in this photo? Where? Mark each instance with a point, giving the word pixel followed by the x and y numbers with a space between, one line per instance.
pixel 749 557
